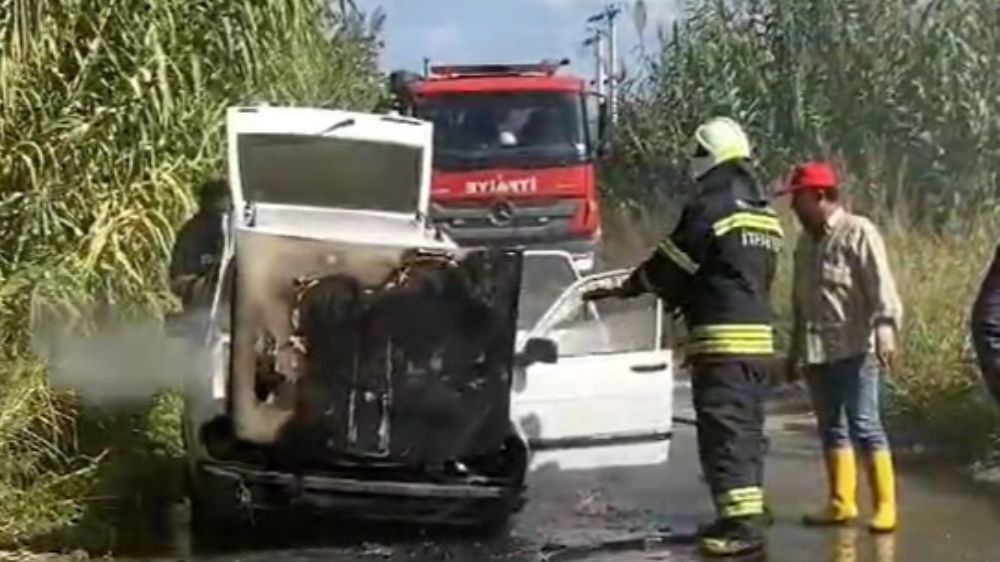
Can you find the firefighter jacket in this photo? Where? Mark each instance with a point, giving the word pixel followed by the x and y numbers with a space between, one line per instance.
pixel 717 266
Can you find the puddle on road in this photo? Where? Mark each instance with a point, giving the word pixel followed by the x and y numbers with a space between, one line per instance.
pixel 337 541
pixel 311 538
pixel 572 518
pixel 331 541
pixel 638 547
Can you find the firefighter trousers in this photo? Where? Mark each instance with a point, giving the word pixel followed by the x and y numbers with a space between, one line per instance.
pixel 729 406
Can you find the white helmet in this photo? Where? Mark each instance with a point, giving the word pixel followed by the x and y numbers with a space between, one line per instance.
pixel 718 140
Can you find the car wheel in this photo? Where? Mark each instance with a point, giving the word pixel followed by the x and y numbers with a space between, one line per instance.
pixel 518 500
pixel 516 457
pixel 515 464
pixel 216 517
pixel 494 524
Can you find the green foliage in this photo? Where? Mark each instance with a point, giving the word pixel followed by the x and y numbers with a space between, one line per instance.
pixel 939 389
pixel 110 111
pixel 39 482
pixel 905 95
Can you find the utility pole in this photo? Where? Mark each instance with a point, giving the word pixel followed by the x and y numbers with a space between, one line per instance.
pixel 597 42
pixel 609 17
pixel 612 13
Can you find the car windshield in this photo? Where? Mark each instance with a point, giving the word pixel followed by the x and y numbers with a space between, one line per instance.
pixel 543 278
pixel 506 128
pixel 330 172
pixel 608 326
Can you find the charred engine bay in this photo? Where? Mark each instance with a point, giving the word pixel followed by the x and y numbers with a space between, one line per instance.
pixel 407 374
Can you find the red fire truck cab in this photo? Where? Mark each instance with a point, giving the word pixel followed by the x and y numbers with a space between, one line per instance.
pixel 514 156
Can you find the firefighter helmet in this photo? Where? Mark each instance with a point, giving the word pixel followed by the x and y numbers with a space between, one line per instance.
pixel 718 140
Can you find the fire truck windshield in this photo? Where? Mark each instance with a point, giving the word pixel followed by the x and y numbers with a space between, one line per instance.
pixel 479 130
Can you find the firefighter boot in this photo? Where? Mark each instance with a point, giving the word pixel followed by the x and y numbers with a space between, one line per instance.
pixel 734 536
pixel 842 478
pixel 883 485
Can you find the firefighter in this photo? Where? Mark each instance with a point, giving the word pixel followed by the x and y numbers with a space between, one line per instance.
pixel 198 249
pixel 847 314
pixel 986 327
pixel 716 268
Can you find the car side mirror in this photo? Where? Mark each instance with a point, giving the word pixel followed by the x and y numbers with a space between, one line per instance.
pixel 540 350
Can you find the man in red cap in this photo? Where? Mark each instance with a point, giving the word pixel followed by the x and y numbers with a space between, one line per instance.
pixel 847 314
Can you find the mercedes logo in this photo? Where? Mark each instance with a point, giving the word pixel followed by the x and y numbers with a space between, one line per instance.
pixel 502 213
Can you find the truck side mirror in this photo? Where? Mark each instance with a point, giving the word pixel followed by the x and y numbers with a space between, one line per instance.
pixel 540 350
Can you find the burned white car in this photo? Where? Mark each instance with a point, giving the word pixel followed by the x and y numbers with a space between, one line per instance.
pixel 363 365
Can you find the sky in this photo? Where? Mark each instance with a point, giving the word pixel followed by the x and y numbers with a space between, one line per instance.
pixel 479 31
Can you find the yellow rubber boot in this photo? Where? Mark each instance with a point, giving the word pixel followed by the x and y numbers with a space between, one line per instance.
pixel 883 485
pixel 842 477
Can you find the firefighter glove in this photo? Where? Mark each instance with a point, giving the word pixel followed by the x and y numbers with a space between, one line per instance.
pixel 623 291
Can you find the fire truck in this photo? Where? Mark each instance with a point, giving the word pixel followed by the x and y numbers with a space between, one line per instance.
pixel 515 148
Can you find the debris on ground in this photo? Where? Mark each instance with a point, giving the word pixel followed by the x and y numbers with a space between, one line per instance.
pixel 594 503
pixel 376 550
pixel 25 556
pixel 986 473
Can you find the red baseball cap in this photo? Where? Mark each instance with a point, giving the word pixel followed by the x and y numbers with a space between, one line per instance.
pixel 814 176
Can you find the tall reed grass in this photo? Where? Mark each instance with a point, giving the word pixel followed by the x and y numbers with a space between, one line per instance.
pixel 110 111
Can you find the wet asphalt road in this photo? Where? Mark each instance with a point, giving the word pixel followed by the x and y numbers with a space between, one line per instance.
pixel 604 515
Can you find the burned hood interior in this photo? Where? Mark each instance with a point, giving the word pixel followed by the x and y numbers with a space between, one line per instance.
pixel 348 355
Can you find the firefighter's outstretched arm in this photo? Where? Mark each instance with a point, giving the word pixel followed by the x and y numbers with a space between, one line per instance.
pixel 668 269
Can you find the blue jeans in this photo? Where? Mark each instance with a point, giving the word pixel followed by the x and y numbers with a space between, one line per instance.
pixel 845 398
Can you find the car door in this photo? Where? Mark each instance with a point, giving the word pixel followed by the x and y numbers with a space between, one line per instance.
pixel 605 396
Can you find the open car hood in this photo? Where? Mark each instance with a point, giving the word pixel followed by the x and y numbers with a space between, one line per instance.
pixel 329 174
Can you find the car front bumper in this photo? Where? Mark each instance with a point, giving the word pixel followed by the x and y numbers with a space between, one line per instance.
pixel 378 500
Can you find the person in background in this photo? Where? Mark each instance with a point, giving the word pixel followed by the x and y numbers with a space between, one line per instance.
pixel 197 251
pixel 847 317
pixel 986 327
pixel 717 268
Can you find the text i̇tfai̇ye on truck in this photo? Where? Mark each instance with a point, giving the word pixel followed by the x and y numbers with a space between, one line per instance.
pixel 515 148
